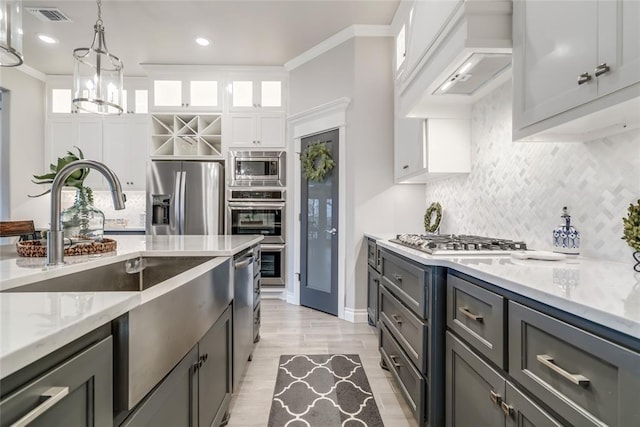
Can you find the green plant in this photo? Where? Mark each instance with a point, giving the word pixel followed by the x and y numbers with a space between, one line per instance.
pixel 316 161
pixel 631 230
pixel 76 179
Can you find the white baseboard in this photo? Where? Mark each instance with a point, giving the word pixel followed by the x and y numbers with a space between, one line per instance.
pixel 266 293
pixel 291 298
pixel 355 315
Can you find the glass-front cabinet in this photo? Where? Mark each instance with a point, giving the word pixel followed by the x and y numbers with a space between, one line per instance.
pixel 176 93
pixel 248 93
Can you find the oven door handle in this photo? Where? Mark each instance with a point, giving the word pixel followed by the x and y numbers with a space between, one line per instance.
pixel 255 205
pixel 271 248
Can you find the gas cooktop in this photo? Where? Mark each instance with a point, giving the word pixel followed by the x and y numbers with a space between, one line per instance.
pixel 452 244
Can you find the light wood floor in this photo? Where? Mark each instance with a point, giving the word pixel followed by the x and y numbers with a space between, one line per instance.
pixel 290 329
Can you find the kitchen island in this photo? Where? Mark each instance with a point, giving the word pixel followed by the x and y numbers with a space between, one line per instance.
pixel 552 342
pixel 38 324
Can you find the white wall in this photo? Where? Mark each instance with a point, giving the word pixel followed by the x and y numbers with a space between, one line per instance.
pixel 517 190
pixel 26 145
pixel 360 69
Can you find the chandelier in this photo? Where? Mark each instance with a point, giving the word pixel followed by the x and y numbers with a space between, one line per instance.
pixel 97 75
pixel 10 33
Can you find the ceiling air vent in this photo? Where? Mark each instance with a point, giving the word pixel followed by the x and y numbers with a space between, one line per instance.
pixel 49 14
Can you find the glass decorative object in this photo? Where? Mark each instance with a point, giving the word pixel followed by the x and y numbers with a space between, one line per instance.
pixel 11 33
pixel 83 222
pixel 566 239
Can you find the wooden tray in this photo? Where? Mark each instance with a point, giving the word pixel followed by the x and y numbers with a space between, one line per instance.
pixel 38 248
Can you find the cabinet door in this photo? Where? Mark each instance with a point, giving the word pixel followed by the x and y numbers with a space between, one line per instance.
pixel 125 149
pixel 77 393
pixel 270 132
pixel 523 412
pixel 619 44
pixel 173 402
pixel 242 130
pixel 85 133
pixel 474 390
pixel 214 382
pixel 553 44
pixel 408 147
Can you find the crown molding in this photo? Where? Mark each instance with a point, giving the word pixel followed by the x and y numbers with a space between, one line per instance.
pixel 30 71
pixel 336 40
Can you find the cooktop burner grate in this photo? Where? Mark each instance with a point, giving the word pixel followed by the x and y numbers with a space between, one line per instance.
pixel 452 244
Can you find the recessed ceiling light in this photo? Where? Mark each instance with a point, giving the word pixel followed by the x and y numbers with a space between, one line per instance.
pixel 202 41
pixel 47 38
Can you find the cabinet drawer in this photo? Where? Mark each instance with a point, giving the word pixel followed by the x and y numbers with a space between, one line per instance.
pixel 409 381
pixel 372 253
pixel 587 380
pixel 407 282
pixel 373 283
pixel 477 315
pixel 409 331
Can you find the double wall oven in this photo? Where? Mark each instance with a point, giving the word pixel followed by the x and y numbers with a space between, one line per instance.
pixel 256 204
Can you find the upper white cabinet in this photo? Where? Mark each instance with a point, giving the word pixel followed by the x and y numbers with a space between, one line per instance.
pixel 120 142
pixel 251 93
pixel 180 135
pixel 431 149
pixel 576 69
pixel 261 130
pixel 177 93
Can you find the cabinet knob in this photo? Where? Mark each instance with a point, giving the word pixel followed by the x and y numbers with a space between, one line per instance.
pixel 405 167
pixel 601 69
pixel 583 78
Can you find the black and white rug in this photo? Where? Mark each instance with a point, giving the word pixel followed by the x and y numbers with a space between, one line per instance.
pixel 323 390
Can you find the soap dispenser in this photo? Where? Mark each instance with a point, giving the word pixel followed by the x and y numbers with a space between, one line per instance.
pixel 566 239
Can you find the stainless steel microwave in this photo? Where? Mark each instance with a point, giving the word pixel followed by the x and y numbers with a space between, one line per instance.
pixel 257 168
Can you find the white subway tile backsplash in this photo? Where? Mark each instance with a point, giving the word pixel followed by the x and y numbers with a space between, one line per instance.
pixel 517 190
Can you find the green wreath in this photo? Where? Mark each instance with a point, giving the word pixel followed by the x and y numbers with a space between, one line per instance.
pixel 437 208
pixel 316 161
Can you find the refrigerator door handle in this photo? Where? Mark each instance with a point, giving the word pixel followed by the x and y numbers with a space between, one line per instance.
pixel 177 210
pixel 182 201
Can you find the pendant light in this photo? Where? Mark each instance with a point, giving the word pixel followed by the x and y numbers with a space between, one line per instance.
pixel 10 33
pixel 97 75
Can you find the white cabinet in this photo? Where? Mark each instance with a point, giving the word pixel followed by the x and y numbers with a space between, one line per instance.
pixel 255 130
pixel 135 95
pixel 431 149
pixel 178 93
pixel 186 135
pixel 119 142
pixel 124 149
pixel 250 93
pixel 573 60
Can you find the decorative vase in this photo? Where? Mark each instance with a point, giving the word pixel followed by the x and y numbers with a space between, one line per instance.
pixel 636 257
pixel 83 220
pixel 566 238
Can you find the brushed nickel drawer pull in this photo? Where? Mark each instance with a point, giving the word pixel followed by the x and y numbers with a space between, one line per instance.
pixel 397 277
pixel 507 409
pixel 394 361
pixel 576 379
pixel 583 78
pixel 495 397
pixel 470 315
pixel 52 396
pixel 396 318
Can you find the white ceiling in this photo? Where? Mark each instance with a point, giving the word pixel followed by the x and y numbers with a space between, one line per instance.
pixel 242 32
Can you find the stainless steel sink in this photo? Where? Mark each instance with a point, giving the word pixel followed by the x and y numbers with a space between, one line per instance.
pixel 136 274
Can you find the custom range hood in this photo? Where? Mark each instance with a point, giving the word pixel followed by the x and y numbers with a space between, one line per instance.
pixel 469 56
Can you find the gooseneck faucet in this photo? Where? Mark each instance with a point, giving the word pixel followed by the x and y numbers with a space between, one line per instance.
pixel 55 238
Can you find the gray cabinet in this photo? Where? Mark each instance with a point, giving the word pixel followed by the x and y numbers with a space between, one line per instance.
pixel 373 281
pixel 478 395
pixel 196 393
pixel 77 392
pixel 411 326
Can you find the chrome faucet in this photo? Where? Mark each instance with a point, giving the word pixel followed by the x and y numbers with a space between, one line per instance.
pixel 55 238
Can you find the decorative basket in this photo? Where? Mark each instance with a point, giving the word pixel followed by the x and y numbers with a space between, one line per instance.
pixel 38 248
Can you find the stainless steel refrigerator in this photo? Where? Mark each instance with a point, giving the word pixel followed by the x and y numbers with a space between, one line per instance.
pixel 185 197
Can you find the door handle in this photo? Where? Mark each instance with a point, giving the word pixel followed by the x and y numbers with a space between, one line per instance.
pixel 583 78
pixel 495 397
pixel 333 231
pixel 396 318
pixel 601 69
pixel 394 361
pixel 53 395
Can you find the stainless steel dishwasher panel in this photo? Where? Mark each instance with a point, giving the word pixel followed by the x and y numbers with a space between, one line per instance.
pixel 153 337
pixel 242 313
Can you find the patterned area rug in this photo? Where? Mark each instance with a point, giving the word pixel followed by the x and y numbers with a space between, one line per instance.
pixel 325 390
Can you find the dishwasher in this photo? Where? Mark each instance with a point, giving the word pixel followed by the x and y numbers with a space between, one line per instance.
pixel 243 335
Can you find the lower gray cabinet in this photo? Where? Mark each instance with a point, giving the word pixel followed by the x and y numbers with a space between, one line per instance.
pixel 373 286
pixel 196 393
pixel 77 393
pixel 477 395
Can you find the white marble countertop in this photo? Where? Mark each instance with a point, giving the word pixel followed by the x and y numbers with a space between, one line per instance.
pixel 34 324
pixel 603 292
